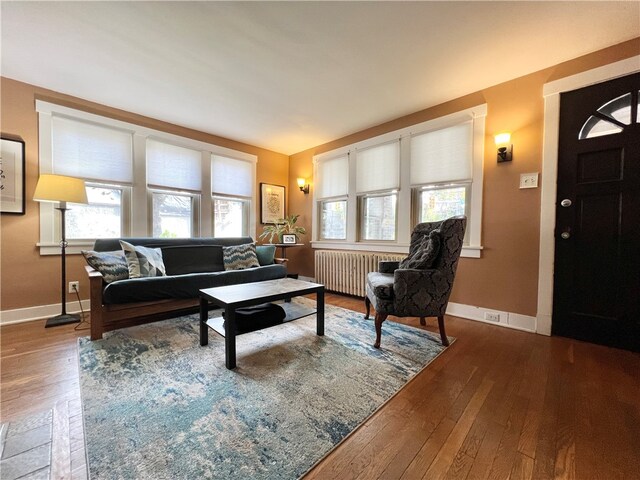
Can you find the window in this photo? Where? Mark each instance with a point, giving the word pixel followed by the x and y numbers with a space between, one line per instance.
pixel 176 172
pixel 140 181
pixel 333 220
pixel 370 195
pixel 379 217
pixel 332 182
pixel 232 183
pixel 100 218
pixel 172 215
pixel 611 118
pixel 377 181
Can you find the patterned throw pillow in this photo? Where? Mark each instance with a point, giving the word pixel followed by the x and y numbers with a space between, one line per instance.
pixel 143 261
pixel 426 255
pixel 239 257
pixel 112 265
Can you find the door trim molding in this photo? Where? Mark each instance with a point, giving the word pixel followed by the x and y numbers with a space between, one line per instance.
pixel 551 92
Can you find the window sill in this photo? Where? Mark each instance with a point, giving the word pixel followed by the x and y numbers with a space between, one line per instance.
pixel 469 251
pixel 74 247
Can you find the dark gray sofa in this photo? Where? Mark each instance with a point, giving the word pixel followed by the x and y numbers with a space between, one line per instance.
pixel 191 264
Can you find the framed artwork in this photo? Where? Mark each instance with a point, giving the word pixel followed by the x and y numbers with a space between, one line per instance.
pixel 271 203
pixel 12 175
pixel 289 239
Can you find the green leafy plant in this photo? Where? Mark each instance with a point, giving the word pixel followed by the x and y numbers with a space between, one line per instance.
pixel 282 226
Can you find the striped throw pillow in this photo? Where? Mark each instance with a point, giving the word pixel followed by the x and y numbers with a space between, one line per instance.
pixel 143 261
pixel 239 257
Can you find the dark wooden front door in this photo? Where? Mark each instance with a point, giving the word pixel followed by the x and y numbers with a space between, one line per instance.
pixel 597 255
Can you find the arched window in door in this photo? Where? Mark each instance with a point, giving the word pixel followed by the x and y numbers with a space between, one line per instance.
pixel 611 117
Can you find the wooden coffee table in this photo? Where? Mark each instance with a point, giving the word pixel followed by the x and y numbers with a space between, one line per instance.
pixel 233 297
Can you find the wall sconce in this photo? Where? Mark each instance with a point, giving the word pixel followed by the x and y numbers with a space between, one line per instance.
pixel 304 186
pixel 505 148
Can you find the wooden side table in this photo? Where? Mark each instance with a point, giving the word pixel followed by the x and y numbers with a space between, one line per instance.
pixel 283 247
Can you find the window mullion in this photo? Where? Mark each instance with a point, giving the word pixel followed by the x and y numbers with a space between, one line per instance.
pixel 135 220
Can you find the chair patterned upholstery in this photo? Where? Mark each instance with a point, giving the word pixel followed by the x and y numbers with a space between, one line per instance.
pixel 418 293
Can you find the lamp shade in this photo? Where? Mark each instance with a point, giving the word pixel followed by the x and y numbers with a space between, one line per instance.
pixel 59 188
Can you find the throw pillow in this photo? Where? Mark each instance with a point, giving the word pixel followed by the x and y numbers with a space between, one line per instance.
pixel 143 261
pixel 112 265
pixel 426 255
pixel 266 254
pixel 239 257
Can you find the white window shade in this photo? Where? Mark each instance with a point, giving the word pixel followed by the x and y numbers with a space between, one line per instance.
pixel 173 166
pixel 333 177
pixel 442 155
pixel 230 176
pixel 81 149
pixel 378 168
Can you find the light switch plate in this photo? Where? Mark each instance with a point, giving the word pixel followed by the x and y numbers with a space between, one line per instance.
pixel 529 180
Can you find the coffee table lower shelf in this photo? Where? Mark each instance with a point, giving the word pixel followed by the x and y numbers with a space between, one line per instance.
pixel 294 311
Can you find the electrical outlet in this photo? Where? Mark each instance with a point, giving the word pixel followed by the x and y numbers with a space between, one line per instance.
pixel 72 285
pixel 492 316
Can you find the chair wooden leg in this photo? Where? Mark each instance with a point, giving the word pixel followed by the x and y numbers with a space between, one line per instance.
pixel 380 317
pixel 423 322
pixel 367 305
pixel 443 335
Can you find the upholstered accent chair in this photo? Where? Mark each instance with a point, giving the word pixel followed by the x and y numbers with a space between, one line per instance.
pixel 420 285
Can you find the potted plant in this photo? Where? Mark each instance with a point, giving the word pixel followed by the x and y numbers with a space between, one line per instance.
pixel 282 226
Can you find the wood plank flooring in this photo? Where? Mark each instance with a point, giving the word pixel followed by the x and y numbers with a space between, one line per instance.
pixel 498 404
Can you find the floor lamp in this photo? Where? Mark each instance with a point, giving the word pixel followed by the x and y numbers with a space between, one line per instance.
pixel 61 189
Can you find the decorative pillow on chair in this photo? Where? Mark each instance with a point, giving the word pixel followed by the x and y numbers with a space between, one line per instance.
pixel 143 261
pixel 426 255
pixel 239 257
pixel 112 265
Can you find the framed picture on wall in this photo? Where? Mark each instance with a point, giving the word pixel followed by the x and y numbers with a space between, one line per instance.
pixel 271 203
pixel 12 175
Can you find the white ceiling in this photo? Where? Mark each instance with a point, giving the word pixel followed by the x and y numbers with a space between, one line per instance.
pixel 292 75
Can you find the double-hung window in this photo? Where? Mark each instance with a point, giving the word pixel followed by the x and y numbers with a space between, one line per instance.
pixel 442 172
pixel 332 177
pixel 232 182
pixel 174 179
pixel 377 182
pixel 103 157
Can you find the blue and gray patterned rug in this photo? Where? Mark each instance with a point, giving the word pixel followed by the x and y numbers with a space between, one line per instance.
pixel 158 405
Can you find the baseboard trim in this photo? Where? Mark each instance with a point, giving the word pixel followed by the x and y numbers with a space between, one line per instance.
pixel 516 321
pixel 506 319
pixel 39 312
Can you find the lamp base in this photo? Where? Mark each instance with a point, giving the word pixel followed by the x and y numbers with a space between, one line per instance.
pixel 62 320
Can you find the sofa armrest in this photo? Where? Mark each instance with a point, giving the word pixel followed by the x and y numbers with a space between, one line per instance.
pixel 95 295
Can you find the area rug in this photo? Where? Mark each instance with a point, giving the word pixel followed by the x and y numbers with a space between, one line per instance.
pixel 158 405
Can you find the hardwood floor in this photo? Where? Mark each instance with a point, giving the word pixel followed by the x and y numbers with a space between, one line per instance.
pixel 497 404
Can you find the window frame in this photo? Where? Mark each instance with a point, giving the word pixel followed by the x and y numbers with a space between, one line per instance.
pixel 246 212
pixel 195 207
pixel 406 198
pixel 362 198
pixel 138 210
pixel 319 205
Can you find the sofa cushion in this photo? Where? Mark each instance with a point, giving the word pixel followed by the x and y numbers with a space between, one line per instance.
pixel 112 265
pixel 184 286
pixel 182 259
pixel 240 257
pixel 381 284
pixel 143 261
pixel 266 254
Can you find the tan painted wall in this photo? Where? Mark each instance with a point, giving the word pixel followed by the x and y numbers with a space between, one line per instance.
pixel 506 277
pixel 28 279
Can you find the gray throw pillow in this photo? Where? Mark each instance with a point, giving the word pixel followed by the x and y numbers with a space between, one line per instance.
pixel 239 257
pixel 112 265
pixel 426 255
pixel 143 261
pixel 266 254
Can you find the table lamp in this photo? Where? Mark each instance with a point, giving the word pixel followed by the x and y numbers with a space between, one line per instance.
pixel 61 189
